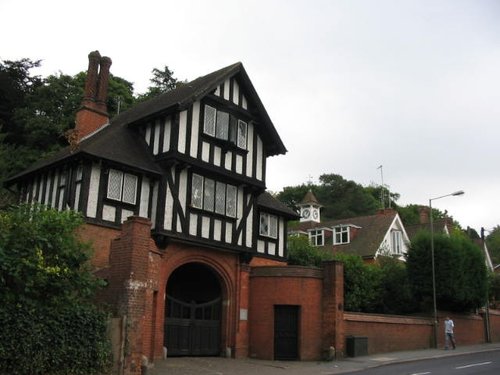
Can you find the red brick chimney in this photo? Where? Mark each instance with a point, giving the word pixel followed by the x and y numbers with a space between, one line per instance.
pixel 93 113
pixel 424 212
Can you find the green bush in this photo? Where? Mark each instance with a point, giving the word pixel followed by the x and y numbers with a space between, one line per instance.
pixel 48 324
pixel 302 253
pixel 362 284
pixel 397 297
pixel 461 280
pixel 43 340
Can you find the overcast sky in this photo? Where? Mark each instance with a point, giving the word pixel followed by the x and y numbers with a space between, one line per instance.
pixel 350 85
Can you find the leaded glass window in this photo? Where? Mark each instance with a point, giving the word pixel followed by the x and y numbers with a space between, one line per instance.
pixel 222 127
pixel 242 134
pixel 213 196
pixel 115 184
pixel 209 195
pixel 129 188
pixel 268 225
pixel 197 191
pixel 209 121
pixel 220 198
pixel 231 200
pixel 122 186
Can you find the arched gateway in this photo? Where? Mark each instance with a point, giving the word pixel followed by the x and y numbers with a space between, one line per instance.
pixel 193 311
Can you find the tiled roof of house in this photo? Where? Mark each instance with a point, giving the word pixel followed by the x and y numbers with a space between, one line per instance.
pixel 112 143
pixel 366 242
pixel 267 201
pixel 438 226
pixel 117 143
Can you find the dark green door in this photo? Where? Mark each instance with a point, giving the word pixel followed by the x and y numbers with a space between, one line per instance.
pixel 286 332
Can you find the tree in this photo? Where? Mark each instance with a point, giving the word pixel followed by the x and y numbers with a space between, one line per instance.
pixel 461 280
pixel 340 198
pixel 49 325
pixel 36 112
pixel 362 284
pixel 397 297
pixel 302 253
pixel 162 81
pixel 493 243
pixel 16 82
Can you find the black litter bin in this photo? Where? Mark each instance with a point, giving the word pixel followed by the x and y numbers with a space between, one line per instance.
pixel 356 346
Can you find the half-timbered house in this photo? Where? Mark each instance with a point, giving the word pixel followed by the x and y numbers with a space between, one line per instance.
pixel 174 201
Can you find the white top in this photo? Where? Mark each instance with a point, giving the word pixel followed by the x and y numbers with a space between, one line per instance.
pixel 448 326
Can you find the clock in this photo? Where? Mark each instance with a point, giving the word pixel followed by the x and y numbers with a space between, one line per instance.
pixel 306 213
pixel 315 214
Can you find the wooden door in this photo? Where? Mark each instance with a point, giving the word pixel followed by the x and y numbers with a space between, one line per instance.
pixel 286 332
pixel 192 329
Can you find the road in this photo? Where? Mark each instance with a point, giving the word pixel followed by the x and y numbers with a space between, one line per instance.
pixel 485 363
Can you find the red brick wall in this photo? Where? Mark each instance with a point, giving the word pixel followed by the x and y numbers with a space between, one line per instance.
pixel 100 238
pixel 270 286
pixel 394 333
pixel 389 333
pixel 494 317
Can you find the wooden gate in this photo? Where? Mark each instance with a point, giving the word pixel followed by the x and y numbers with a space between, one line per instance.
pixel 192 329
pixel 286 332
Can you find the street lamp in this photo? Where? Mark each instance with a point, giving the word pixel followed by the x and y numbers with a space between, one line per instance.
pixel 460 192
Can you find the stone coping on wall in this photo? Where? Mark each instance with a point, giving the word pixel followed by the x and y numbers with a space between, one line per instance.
pixel 286 271
pixel 386 319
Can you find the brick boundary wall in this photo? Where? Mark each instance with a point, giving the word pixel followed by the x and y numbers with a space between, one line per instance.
pixel 390 333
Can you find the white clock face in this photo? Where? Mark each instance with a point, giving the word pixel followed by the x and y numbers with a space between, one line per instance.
pixel 306 213
pixel 315 214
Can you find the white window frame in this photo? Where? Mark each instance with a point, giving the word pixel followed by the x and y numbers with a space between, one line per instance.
pixel 339 233
pixel 128 182
pixel 397 242
pixel 268 225
pixel 317 237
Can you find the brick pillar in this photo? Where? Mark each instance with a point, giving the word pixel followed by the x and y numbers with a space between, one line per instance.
pixel 242 335
pixel 333 309
pixel 129 284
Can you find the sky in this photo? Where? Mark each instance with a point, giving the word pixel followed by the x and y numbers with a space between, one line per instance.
pixel 350 85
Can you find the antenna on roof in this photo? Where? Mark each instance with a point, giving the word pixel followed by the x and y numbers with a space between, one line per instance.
pixel 382 190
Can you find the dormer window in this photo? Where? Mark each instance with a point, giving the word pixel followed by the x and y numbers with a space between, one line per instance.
pixel 268 225
pixel 223 126
pixel 341 235
pixel 122 186
pixel 396 242
pixel 317 237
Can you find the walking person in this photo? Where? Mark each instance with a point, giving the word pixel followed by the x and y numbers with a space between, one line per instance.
pixel 448 332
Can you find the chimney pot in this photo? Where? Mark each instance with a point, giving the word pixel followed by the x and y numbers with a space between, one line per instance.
pixel 93 113
pixel 92 74
pixel 103 83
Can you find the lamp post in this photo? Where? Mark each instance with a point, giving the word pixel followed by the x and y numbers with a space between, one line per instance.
pixel 460 192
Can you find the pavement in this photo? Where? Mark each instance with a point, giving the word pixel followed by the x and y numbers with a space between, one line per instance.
pixel 229 366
